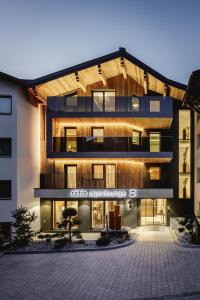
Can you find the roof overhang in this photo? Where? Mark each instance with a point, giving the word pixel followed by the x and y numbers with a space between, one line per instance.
pixel 101 69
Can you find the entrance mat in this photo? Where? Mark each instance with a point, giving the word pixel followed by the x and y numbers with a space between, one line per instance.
pixel 153 228
pixel 183 296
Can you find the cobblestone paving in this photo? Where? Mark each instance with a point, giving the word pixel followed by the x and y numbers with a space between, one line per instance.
pixel 151 268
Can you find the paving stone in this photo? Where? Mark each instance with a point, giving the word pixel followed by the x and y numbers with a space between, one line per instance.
pixel 152 268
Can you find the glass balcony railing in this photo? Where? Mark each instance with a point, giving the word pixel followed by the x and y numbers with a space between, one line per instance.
pixel 118 180
pixel 135 105
pixel 112 144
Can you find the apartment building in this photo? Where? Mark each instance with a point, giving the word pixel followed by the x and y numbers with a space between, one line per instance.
pixel 110 131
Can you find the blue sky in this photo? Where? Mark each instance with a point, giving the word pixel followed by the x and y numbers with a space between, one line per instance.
pixel 38 37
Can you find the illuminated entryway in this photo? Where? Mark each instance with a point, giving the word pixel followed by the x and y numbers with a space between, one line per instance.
pixel 153 211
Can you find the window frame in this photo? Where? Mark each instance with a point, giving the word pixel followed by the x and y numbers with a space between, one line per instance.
pixel 95 141
pixel 134 130
pixel 151 102
pixel 159 168
pixel 10 139
pixel 10 196
pixel 9 97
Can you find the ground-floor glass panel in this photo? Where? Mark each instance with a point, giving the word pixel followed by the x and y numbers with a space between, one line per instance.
pixel 58 207
pixel 153 211
pixel 99 211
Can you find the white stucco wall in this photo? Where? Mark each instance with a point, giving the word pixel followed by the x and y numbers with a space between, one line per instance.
pixel 196 165
pixel 28 156
pixel 8 166
pixel 23 168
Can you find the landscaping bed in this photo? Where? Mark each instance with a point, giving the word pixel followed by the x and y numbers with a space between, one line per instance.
pixel 89 245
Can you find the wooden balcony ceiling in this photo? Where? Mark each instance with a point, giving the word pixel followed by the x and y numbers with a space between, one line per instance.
pixel 100 70
pixel 143 123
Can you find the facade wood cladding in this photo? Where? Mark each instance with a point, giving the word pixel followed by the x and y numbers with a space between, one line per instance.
pixel 128 174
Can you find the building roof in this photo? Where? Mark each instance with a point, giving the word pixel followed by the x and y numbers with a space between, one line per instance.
pixel 89 72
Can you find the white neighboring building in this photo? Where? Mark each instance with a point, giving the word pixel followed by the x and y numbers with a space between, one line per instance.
pixel 19 151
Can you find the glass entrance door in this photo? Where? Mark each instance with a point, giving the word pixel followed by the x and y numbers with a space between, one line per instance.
pixel 153 211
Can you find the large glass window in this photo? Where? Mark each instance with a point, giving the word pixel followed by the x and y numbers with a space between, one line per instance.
pixel 98 135
pixel 58 207
pixel 5 189
pixel 5 147
pixel 5 105
pixel 154 173
pixel 136 137
pixel 70 176
pixel 98 172
pixel 103 101
pixel 154 105
pixel 184 154
pixel 71 139
pixel 154 142
pixel 97 214
pixel 135 104
pixel 99 211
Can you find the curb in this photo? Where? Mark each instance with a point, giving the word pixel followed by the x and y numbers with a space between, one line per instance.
pixel 73 250
pixel 183 245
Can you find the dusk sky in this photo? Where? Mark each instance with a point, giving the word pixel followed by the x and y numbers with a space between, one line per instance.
pixel 43 36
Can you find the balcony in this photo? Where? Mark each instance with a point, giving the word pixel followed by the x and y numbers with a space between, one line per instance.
pixel 112 147
pixel 142 107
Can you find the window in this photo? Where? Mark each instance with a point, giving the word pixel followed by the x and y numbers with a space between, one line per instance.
pixel 154 173
pixel 154 106
pixel 98 214
pixel 5 147
pixel 103 101
pixel 110 176
pixel 198 174
pixel 71 100
pixel 71 139
pixel 70 176
pixel 136 137
pixel 135 104
pixel 98 172
pixel 5 105
pixel 5 231
pixel 5 189
pixel 98 135
pixel 154 142
pixel 198 118
pixel 198 140
pixel 58 207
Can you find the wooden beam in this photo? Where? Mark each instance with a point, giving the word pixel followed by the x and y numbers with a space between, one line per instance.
pixel 145 83
pixel 38 96
pixel 79 83
pixel 101 76
pixel 166 91
pixel 122 64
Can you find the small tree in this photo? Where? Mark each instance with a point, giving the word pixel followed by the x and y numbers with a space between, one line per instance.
pixel 22 224
pixel 70 220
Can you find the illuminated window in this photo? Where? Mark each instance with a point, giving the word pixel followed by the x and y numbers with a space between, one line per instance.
pixel 198 175
pixel 135 104
pixel 154 173
pixel 103 101
pixel 98 172
pixel 198 140
pixel 58 207
pixel 71 139
pixel 98 135
pixel 5 105
pixel 70 176
pixel 136 137
pixel 154 106
pixel 97 214
pixel 154 141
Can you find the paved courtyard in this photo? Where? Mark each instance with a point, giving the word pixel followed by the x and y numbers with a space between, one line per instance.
pixel 151 268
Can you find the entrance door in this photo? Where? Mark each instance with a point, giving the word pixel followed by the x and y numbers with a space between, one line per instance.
pixel 153 211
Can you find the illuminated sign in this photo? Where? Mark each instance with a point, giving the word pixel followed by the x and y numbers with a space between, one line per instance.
pixel 103 193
